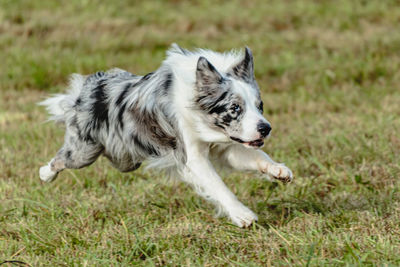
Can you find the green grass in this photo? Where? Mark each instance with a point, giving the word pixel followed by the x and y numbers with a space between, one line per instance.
pixel 330 78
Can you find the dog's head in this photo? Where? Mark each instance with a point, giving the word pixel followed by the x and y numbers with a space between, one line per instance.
pixel 231 101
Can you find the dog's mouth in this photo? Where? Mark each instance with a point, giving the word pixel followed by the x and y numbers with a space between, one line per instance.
pixel 254 143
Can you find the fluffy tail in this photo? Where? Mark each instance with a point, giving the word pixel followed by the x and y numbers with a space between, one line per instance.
pixel 58 105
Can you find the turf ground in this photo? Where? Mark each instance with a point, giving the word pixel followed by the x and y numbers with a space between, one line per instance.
pixel 330 80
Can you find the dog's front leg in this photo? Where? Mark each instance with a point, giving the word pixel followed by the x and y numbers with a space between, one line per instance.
pixel 200 173
pixel 248 159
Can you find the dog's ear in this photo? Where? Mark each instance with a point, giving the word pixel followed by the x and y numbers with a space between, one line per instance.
pixel 244 70
pixel 206 74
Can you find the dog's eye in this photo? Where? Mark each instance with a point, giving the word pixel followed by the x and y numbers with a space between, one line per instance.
pixel 236 108
pixel 261 107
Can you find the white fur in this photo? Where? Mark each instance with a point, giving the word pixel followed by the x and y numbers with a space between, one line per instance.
pixel 57 105
pixel 46 174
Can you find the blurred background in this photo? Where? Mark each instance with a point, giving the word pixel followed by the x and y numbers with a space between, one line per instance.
pixel 329 75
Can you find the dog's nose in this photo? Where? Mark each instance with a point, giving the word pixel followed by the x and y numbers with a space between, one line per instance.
pixel 264 128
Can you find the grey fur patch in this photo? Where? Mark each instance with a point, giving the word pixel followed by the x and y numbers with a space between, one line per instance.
pixel 129 115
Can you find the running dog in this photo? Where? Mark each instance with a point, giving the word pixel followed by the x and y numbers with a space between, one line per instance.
pixel 199 107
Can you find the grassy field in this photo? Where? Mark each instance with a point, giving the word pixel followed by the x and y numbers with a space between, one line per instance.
pixel 329 72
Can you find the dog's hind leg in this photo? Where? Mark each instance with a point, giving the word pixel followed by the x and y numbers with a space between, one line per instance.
pixel 74 154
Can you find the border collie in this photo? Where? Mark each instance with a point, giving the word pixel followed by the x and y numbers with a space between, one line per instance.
pixel 200 107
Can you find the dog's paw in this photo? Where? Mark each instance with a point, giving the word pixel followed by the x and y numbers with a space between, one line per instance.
pixel 281 172
pixel 46 174
pixel 278 171
pixel 242 216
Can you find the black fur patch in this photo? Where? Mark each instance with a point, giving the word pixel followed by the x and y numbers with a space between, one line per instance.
pixel 99 74
pixel 168 82
pixel 216 123
pixel 100 106
pixel 211 104
pixel 237 139
pixel 218 109
pixel 136 166
pixel 68 154
pixel 261 107
pixel 200 98
pixel 227 119
pixel 121 97
pixel 88 138
pixel 131 168
pixel 143 79
pixel 121 115
pixel 215 106
pixel 222 97
pixel 148 148
pixel 146 77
